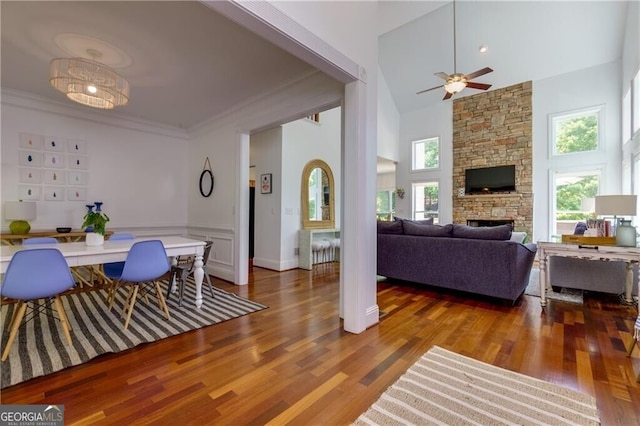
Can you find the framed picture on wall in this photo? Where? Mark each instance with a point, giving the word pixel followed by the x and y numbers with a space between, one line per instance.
pixel 265 183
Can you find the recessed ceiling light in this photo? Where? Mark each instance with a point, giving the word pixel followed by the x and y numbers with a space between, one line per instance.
pixel 483 48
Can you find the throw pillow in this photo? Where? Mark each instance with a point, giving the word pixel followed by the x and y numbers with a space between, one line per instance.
pixel 394 227
pixel 501 232
pixel 411 228
pixel 518 237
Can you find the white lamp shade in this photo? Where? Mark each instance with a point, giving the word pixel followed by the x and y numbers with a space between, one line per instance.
pixel 616 205
pixel 19 210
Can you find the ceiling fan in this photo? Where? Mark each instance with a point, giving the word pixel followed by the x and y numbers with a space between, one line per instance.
pixel 456 82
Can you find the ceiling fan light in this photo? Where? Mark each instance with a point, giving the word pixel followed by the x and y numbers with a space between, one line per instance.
pixel 89 82
pixel 454 86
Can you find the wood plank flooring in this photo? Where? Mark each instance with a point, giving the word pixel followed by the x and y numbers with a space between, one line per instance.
pixel 293 363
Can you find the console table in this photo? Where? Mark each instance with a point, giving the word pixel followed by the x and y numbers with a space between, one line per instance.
pixel 306 237
pixel 629 255
pixel 67 237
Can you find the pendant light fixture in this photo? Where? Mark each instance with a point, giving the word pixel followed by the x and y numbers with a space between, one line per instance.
pixel 89 82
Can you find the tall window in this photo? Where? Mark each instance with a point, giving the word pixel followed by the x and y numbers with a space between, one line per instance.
pixel 574 194
pixel 425 200
pixel 576 132
pixel 385 204
pixel 426 154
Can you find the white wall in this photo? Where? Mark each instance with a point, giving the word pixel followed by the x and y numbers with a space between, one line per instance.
pixel 388 122
pixel 267 156
pixel 140 175
pixel 214 218
pixel 631 46
pixel 284 151
pixel 589 87
pixel 303 141
pixel 436 120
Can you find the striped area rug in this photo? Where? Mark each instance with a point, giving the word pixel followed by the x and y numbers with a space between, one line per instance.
pixel 443 387
pixel 41 348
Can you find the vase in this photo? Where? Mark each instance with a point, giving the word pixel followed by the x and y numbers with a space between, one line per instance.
pixel 94 239
pixel 625 234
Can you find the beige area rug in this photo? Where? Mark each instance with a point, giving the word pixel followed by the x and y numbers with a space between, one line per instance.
pixel 444 387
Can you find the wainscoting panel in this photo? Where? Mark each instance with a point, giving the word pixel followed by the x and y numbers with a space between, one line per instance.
pixel 220 262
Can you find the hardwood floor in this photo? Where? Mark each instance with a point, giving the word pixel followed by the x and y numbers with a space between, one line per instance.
pixel 293 363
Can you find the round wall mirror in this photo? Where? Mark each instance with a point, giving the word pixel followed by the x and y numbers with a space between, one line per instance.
pixel 317 195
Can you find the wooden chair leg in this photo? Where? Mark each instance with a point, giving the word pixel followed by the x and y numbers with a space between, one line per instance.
pixel 631 346
pixel 111 295
pixel 64 313
pixel 127 300
pixel 63 318
pixel 13 315
pixel 14 329
pixel 161 301
pixel 131 304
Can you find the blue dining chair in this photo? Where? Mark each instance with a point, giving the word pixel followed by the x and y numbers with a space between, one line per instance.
pixel 76 271
pixel 145 263
pixel 39 240
pixel 38 273
pixel 114 269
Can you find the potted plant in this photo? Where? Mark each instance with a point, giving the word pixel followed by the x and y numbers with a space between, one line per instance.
pixel 95 224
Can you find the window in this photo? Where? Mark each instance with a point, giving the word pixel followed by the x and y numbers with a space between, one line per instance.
pixel 576 132
pixel 574 194
pixel 425 200
pixel 426 154
pixel 386 204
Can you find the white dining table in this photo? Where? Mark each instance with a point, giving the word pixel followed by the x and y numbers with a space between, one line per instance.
pixel 79 254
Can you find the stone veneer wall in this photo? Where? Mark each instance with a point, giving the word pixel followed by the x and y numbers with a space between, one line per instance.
pixel 494 129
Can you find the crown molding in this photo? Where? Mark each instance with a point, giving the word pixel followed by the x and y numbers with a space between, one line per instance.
pixel 37 103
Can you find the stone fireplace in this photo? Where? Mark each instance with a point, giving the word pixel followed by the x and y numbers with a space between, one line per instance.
pixel 494 129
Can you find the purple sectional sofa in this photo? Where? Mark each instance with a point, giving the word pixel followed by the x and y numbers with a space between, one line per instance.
pixel 459 257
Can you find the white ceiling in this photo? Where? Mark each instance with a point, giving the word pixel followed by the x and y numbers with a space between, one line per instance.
pixel 186 63
pixel 526 40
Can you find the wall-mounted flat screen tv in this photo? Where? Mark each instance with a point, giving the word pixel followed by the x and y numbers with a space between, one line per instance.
pixel 488 180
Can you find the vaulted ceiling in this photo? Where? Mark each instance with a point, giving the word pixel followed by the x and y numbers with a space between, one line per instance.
pixel 526 41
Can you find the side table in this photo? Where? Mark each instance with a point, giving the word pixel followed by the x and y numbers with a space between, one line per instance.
pixel 629 255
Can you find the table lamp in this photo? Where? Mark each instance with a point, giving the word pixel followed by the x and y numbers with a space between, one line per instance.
pixel 19 212
pixel 619 205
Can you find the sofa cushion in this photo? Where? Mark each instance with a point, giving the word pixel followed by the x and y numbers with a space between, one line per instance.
pixel 501 232
pixel 394 227
pixel 428 221
pixel 412 228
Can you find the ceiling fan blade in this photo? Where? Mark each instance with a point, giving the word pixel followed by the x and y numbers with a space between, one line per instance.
pixel 480 86
pixel 478 73
pixel 428 90
pixel 447 96
pixel 442 75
